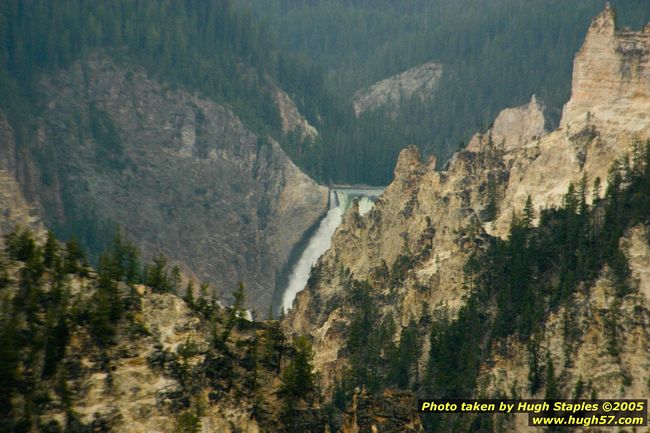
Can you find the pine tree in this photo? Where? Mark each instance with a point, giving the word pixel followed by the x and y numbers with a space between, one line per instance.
pixel 239 299
pixel 56 339
pixel 189 294
pixel 298 377
pixel 20 244
pixel 403 358
pixel 582 195
pixel 570 202
pixel 117 256
pixel 529 213
pixel 491 208
pixel 579 388
pixel 157 276
pixel 552 392
pixel 236 311
pixel 595 192
pixel 75 258
pixel 175 279
pixel 132 271
pixel 108 288
pixel 9 357
pixel 50 250
pixel 534 369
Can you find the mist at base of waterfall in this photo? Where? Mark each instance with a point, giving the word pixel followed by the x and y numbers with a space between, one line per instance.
pixel 340 201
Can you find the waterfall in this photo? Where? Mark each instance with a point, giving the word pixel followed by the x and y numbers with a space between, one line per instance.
pixel 340 201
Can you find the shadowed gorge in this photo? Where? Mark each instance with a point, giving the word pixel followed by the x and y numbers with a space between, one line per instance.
pixel 188 241
pixel 340 201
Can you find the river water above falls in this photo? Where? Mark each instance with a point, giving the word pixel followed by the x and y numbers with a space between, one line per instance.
pixel 340 201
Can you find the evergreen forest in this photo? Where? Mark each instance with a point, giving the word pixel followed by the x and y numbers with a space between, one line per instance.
pixel 495 55
pixel 514 285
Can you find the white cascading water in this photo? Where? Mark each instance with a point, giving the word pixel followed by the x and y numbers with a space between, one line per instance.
pixel 340 201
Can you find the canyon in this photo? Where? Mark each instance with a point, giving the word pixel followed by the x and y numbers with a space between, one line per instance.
pixel 186 177
pixel 182 175
pixel 438 218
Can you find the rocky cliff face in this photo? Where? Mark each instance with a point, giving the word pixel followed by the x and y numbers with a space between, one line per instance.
pixel 393 411
pixel 610 79
pixel 15 210
pixel 419 81
pixel 435 219
pixel 140 384
pixel 598 344
pixel 84 353
pixel 607 113
pixel 292 120
pixel 183 175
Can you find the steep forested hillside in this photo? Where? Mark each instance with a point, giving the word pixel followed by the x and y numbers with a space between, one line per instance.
pixel 94 351
pixel 205 46
pixel 183 96
pixel 519 270
pixel 118 350
pixel 496 54
pixel 515 286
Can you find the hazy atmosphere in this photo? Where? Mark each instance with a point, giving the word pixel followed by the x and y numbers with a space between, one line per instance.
pixel 324 216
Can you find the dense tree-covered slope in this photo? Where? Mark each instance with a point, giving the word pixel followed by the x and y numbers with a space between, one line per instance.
pixel 187 97
pixel 205 46
pixel 94 351
pixel 118 350
pixel 496 54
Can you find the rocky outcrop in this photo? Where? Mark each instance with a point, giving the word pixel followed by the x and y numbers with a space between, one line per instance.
pixel 292 120
pixel 15 210
pixel 514 127
pixel 425 221
pixel 428 222
pixel 421 80
pixel 138 384
pixel 167 367
pixel 606 115
pixel 610 79
pixel 598 344
pixel 390 412
pixel 182 174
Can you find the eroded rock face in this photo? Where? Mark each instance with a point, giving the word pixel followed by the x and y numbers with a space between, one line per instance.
pixel 598 343
pixel 182 175
pixel 163 367
pixel 424 219
pixel 292 120
pixel 606 115
pixel 610 79
pixel 514 127
pixel 419 81
pixel 436 218
pixel 15 210
pixel 390 412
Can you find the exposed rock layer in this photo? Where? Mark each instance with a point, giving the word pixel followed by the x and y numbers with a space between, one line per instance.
pixel 292 120
pixel 419 81
pixel 437 218
pixel 182 175
pixel 162 365
pixel 391 412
